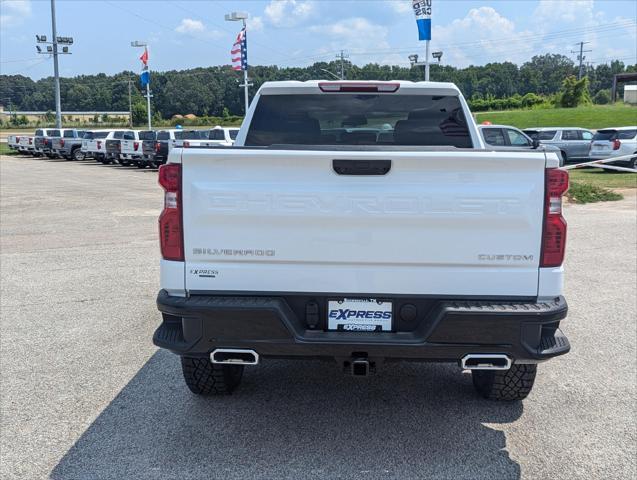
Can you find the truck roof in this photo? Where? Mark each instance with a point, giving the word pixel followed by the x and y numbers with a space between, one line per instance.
pixel 312 86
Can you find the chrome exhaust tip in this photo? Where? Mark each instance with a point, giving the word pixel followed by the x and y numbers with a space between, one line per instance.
pixel 234 356
pixel 485 361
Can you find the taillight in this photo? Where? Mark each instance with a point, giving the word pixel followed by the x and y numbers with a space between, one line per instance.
pixel 61 142
pixel 186 144
pixel 30 141
pixel 554 233
pixel 99 145
pixel 616 144
pixel 46 141
pixel 17 139
pixel 359 87
pixel 171 238
pixel 157 147
pixel 135 145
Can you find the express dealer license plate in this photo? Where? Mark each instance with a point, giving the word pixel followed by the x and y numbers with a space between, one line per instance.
pixel 359 315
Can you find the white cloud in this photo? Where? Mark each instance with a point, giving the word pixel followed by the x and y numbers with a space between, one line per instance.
pixel 255 24
pixel 607 38
pixel 483 35
pixel 196 28
pixel 400 6
pixel 354 33
pixel 288 13
pixel 14 12
pixel 188 25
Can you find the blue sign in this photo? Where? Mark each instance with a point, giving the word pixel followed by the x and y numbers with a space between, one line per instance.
pixel 422 10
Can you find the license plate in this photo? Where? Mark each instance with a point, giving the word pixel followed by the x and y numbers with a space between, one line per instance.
pixel 359 315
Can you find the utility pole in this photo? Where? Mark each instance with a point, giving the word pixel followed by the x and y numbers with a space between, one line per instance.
pixel 342 57
pixel 581 57
pixel 130 103
pixel 58 101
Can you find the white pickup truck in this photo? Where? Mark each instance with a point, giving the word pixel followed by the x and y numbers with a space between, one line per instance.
pixel 26 144
pixel 94 143
pixel 362 222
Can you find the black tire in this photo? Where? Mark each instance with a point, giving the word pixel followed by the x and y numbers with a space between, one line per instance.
pixel 206 378
pixel 509 385
pixel 141 165
pixel 77 155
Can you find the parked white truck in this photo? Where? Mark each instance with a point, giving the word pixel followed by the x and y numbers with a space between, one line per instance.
pixel 362 222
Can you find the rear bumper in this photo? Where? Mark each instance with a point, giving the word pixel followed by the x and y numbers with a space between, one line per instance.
pixel 445 331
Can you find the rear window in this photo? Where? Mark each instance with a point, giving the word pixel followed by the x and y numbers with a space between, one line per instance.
pixel 615 134
pixel 358 119
pixel 54 133
pixel 163 136
pixel 217 134
pixel 120 134
pixel 69 134
pixel 191 135
pixel 93 135
pixel 147 135
pixel 626 134
pixel 233 133
pixel 39 133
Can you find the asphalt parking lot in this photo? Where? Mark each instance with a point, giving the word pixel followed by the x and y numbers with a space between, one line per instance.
pixel 85 394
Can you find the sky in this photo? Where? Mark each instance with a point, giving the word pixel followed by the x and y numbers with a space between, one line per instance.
pixel 187 34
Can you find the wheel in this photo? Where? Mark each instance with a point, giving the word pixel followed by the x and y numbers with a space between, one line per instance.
pixel 141 165
pixel 77 155
pixel 206 378
pixel 512 384
pixel 632 163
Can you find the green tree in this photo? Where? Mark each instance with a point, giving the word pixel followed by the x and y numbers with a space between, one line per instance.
pixel 602 97
pixel 574 92
pixel 139 113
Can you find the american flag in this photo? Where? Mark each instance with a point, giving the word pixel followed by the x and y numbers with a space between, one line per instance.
pixel 239 52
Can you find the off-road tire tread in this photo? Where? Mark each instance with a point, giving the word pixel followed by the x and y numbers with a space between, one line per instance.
pixel 507 385
pixel 205 378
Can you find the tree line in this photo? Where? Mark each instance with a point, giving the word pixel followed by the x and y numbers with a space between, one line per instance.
pixel 215 91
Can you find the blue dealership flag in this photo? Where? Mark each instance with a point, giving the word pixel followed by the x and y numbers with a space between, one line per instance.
pixel 144 78
pixel 422 10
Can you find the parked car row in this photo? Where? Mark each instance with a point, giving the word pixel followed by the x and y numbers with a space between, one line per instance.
pixel 142 148
pixel 572 144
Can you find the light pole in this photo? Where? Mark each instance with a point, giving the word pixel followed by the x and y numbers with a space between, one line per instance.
pixel 413 59
pixel 52 49
pixel 148 95
pixel 235 17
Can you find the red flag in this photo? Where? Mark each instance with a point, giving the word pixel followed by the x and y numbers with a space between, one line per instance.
pixel 144 57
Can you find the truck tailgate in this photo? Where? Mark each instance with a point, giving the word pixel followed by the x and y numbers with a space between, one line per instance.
pixel 438 223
